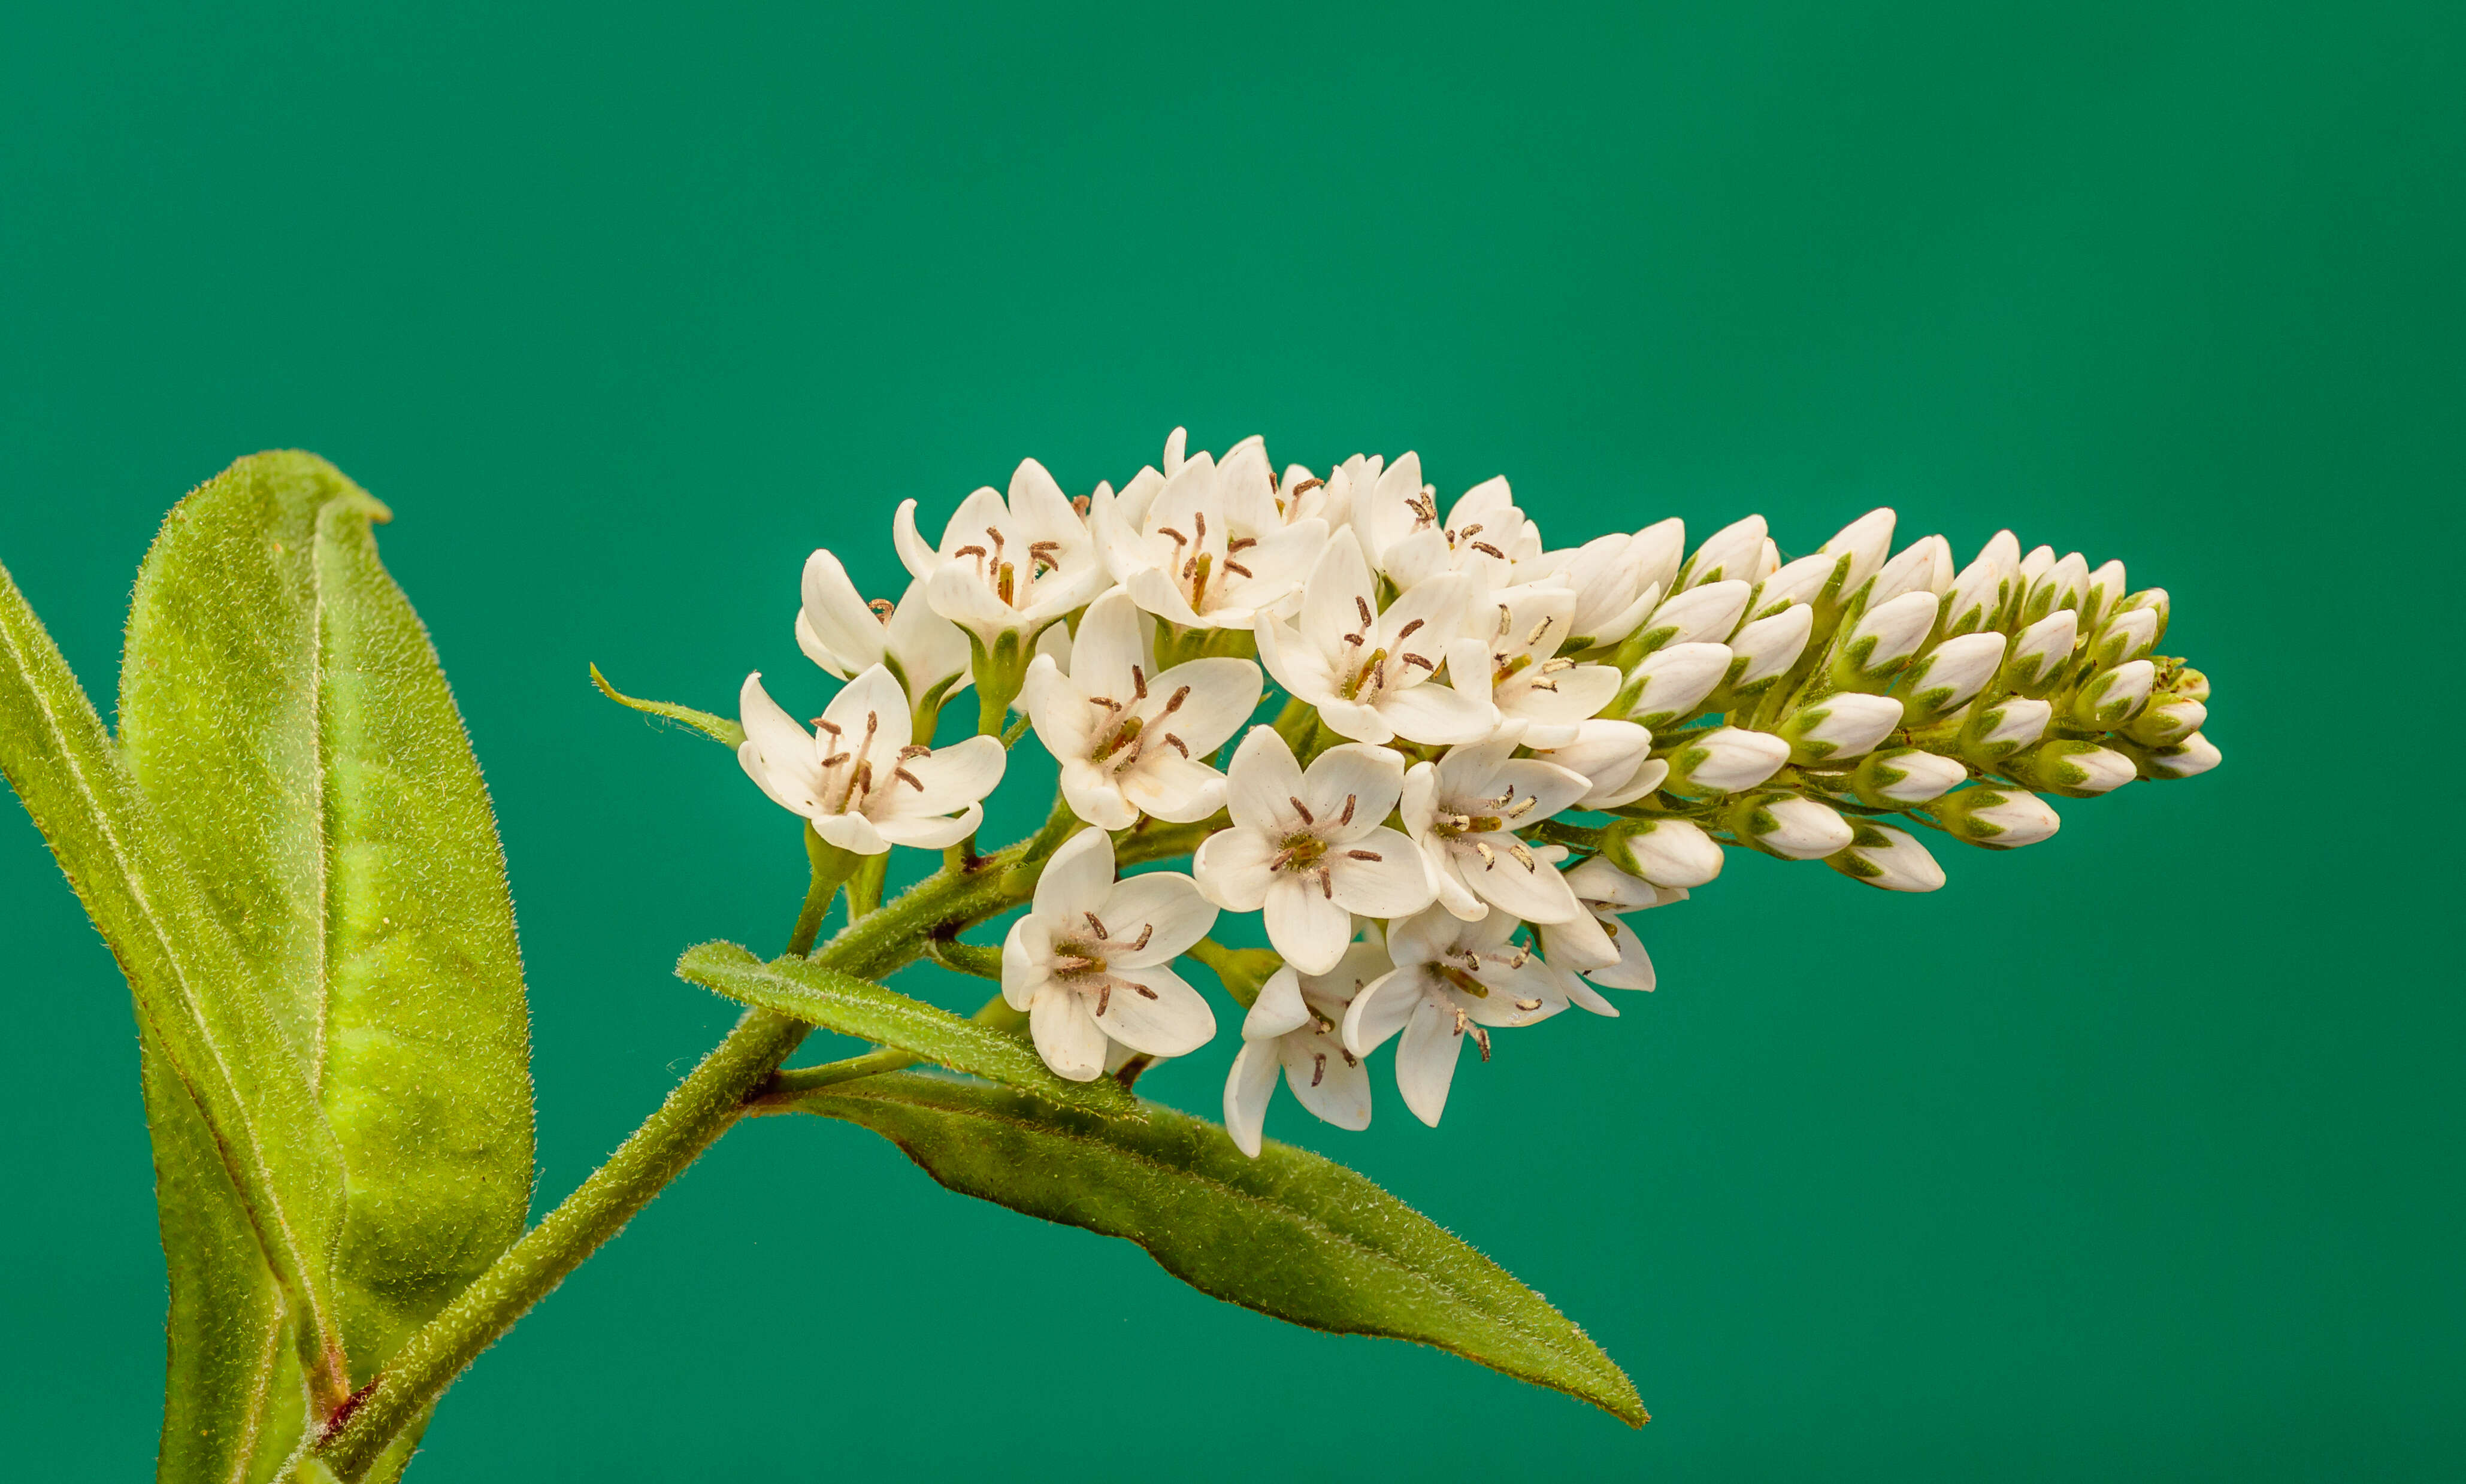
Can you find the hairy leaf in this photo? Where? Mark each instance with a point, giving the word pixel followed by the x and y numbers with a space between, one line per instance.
pixel 204 1006
pixel 1288 1233
pixel 719 728
pixel 282 706
pixel 806 991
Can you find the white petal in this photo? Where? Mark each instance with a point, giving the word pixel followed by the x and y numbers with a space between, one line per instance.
pixel 1097 796
pixel 1438 715
pixel 1327 1082
pixel 1218 695
pixel 1308 927
pixel 924 831
pixel 1533 893
pixel 1366 778
pixel 1247 1089
pixel 1382 1010
pixel 1077 880
pixel 1026 951
pixel 1067 1036
pixel 1396 884
pixel 1425 1060
pixel 838 613
pixel 1580 943
pixel 1171 787
pixel 947 779
pixel 1264 779
pixel 1231 869
pixel 1108 645
pixel 1278 1010
pixel 919 559
pixel 1152 1010
pixel 1164 904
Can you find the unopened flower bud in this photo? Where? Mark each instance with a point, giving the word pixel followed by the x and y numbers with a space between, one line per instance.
pixel 1670 685
pixel 1846 724
pixel 1924 566
pixel 1882 856
pixel 2031 568
pixel 2189 684
pixel 1674 853
pixel 1883 641
pixel 1900 776
pixel 1802 581
pixel 1614 756
pixel 1993 732
pixel 1726 760
pixel 2127 636
pixel 1705 615
pixel 1788 826
pixel 2154 599
pixel 1766 648
pixel 2113 697
pixel 2165 721
pixel 1939 681
pixel 1863 541
pixel 1730 554
pixel 1997 816
pixel 2041 654
pixel 2102 595
pixel 1976 599
pixel 2193 755
pixel 2074 770
pixel 1656 551
pixel 2058 588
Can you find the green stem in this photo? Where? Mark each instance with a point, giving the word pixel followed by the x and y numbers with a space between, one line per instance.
pixel 701 1108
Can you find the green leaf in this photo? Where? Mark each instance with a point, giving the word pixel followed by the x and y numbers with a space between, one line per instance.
pixel 806 991
pixel 1288 1233
pixel 719 728
pixel 283 708
pixel 206 1010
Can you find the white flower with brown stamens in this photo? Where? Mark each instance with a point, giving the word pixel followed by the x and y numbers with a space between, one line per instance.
pixel 1297 1024
pixel 1453 981
pixel 1310 849
pixel 1544 697
pixel 1206 547
pixel 1089 962
pixel 1484 534
pixel 1595 944
pixel 1006 566
pixel 845 635
pixel 1131 741
pixel 860 776
pixel 1368 673
pixel 1463 812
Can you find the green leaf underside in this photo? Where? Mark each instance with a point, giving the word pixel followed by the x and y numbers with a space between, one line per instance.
pixel 204 1008
pixel 805 991
pixel 719 728
pixel 1288 1234
pixel 282 705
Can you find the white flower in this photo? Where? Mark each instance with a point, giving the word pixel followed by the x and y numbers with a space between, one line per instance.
pixel 1207 547
pixel 1793 828
pixel 861 779
pixel 1310 849
pixel 1484 534
pixel 2006 727
pixel 1298 1022
pixel 1368 673
pixel 1667 684
pixel 1671 852
pixel 2114 697
pixel 1617 580
pixel 846 635
pixel 2128 636
pixel 2039 653
pixel 1887 635
pixel 1802 581
pixel 1892 858
pixel 1463 812
pixel 1346 487
pixel 1997 816
pixel 1595 943
pixel 1726 760
pixel 1452 978
pixel 2195 755
pixel 1770 646
pixel 1515 666
pixel 1863 541
pixel 1924 566
pixel 1616 756
pixel 1977 593
pixel 1128 743
pixel 1707 614
pixel 1006 566
pixel 1907 776
pixel 1089 962
pixel 1843 724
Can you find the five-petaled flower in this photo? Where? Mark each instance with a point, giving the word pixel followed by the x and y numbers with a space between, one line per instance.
pixel 1464 811
pixel 1206 546
pixel 1132 741
pixel 1005 566
pixel 1297 1024
pixel 1310 849
pixel 1453 980
pixel 1367 672
pixel 1088 963
pixel 861 777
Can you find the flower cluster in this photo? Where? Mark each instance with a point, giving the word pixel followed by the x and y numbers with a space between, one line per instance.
pixel 1489 752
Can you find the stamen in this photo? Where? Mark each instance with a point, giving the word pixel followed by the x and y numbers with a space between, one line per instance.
pixel 1539 629
pixel 1138 683
pixel 1518 810
pixel 1240 545
pixel 1143 989
pixel 1177 744
pixel 903 776
pixel 1095 925
pixel 1147 930
pixel 1350 799
pixel 883 608
pixel 1406 632
pixel 1528 1006
pixel 1234 566
pixel 1417 660
pixel 1301 809
pixel 1488 857
pixel 1362 605
pixel 1364 855
pixel 1173 705
pixel 1318 1067
pixel 1103 995
pixel 913 750
pixel 1488 550
pixel 1178 539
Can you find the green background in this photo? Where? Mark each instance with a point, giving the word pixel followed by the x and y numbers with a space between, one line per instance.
pixel 2134 1154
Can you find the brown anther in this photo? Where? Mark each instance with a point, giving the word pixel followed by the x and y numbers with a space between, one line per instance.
pixel 835 759
pixel 971 551
pixel 1468 534
pixel 1417 660
pixel 1178 539
pixel 1350 800
pixel 913 750
pixel 1103 995
pixel 1361 605
pixel 1326 885
pixel 883 608
pixel 1173 705
pixel 1554 666
pixel 1406 632
pixel 1528 1006
pixel 1350 1060
pixel 1234 566
pixel 1304 487
pixel 1177 744
pixel 1485 548
pixel 1138 683
pixel 1364 855
pixel 1079 504
pixel 1301 809
pixel 827 725
pixel 1095 925
pixel 903 776
pixel 1239 545
pixel 1318 1067
pixel 1147 930
pixel 1517 810
pixel 1539 629
pixel 1488 857
pixel 1143 990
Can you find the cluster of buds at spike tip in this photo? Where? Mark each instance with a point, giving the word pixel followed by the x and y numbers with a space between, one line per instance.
pixel 1486 751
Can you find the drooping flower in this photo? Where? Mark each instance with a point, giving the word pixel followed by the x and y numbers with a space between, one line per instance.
pixel 1370 674
pixel 1595 944
pixel 1452 979
pixel 861 777
pixel 1207 546
pixel 1463 812
pixel 1089 961
pixel 1131 741
pixel 1006 566
pixel 1309 848
pixel 1298 1022
pixel 846 635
